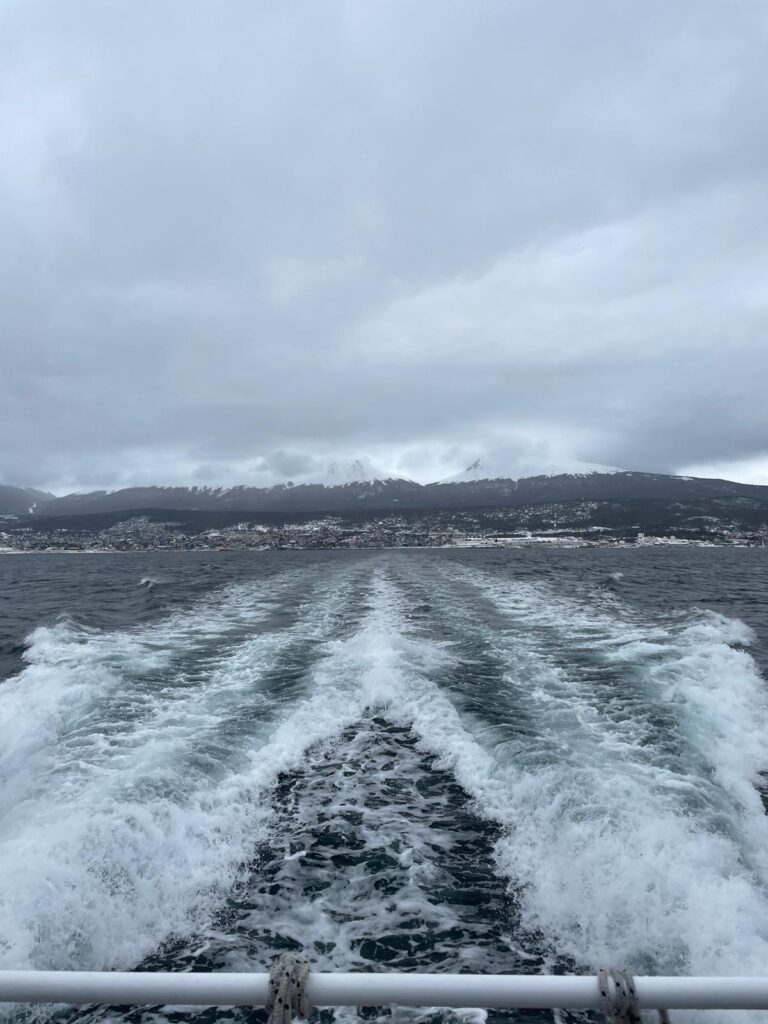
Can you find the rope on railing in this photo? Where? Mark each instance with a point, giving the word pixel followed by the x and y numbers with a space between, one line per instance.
pixel 287 996
pixel 618 998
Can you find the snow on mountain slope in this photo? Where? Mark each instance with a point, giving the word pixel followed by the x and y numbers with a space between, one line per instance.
pixel 498 468
pixel 359 470
pixel 21 500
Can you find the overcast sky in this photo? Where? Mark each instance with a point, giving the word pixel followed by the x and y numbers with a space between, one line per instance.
pixel 240 238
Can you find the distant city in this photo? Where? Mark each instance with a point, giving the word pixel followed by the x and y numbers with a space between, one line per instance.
pixel 732 521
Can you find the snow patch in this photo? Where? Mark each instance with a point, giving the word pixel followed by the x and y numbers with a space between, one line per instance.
pixel 356 470
pixel 495 468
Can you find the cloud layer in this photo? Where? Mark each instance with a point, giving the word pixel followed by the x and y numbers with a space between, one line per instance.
pixel 237 241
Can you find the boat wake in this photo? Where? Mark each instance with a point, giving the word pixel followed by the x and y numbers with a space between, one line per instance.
pixel 387 768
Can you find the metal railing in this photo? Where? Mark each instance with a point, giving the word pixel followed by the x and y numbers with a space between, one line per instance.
pixel 536 991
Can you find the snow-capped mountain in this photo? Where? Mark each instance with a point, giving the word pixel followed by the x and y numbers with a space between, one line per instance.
pixel 583 486
pixel 287 497
pixel 359 470
pixel 495 467
pixel 20 501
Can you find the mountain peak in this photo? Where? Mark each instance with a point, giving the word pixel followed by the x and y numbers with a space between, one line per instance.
pixel 359 470
pixel 350 472
pixel 497 467
pixel 21 500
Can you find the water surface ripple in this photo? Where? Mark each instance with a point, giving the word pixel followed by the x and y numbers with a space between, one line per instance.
pixel 442 761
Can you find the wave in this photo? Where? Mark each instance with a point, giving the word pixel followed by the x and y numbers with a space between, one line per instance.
pixel 132 768
pixel 619 758
pixel 634 825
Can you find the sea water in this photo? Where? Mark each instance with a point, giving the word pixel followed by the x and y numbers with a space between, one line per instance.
pixel 483 761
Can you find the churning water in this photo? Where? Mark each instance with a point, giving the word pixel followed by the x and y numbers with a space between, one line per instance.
pixel 439 761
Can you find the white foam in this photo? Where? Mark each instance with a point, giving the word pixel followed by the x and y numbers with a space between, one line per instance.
pixel 628 852
pixel 631 841
pixel 117 834
pixel 85 687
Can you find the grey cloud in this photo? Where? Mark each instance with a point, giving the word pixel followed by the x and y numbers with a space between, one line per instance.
pixel 288 464
pixel 239 240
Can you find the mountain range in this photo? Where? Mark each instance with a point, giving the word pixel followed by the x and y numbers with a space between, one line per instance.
pixel 380 494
